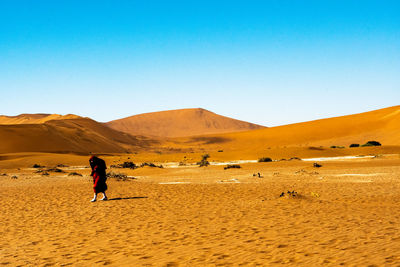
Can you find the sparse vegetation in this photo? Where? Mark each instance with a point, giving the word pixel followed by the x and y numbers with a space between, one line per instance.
pixel 354 145
pixel 62 166
pixel 36 166
pixel 125 165
pixel 128 165
pixel 14 177
pixel 116 175
pixel 232 166
pixel 337 146
pixel 265 159
pixel 119 176
pixel 220 151
pixel 151 164
pixel 291 194
pixel 316 165
pixel 371 143
pixel 204 161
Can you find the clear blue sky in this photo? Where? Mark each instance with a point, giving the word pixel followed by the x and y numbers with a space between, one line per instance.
pixel 267 62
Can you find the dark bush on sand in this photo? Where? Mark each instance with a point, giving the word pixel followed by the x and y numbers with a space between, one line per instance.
pixel 204 162
pixel 372 143
pixel 116 175
pixel 54 170
pixel 125 165
pixel 264 160
pixel 232 166
pixel 354 145
pixel 151 164
pixel 120 176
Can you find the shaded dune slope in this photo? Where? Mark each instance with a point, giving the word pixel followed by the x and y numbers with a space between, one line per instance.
pixel 69 135
pixel 178 123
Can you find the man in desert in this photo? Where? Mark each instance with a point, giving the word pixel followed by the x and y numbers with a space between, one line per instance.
pixel 99 177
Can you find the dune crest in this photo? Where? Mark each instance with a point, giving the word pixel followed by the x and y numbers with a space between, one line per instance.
pixel 181 122
pixel 38 118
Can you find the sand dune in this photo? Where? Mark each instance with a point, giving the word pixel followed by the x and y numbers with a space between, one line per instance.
pixel 34 118
pixel 68 135
pixel 381 125
pixel 182 122
pixel 83 135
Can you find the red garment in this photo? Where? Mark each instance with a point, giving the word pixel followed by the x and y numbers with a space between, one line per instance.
pixel 99 174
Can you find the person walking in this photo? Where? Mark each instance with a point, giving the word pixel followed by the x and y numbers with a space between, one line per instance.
pixel 99 177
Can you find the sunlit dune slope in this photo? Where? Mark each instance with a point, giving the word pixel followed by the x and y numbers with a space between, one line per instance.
pixel 382 125
pixel 34 118
pixel 70 135
pixel 182 122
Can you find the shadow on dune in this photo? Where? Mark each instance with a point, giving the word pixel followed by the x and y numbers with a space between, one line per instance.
pixel 123 198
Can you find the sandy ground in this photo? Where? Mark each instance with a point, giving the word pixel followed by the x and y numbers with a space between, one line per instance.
pixel 345 213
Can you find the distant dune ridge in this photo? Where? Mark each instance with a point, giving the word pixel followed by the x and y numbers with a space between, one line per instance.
pixel 189 128
pixel 34 118
pixel 179 123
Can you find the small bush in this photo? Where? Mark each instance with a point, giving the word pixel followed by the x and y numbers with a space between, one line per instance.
pixel 129 165
pixel 120 176
pixel 125 165
pixel 354 145
pixel 232 166
pixel 116 175
pixel 316 165
pixel 371 143
pixel 62 165
pixel 151 164
pixel 54 170
pixel 204 162
pixel 265 159
pixel 36 166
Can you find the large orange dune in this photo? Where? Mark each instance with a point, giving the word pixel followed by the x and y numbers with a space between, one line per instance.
pixel 382 125
pixel 178 123
pixel 80 135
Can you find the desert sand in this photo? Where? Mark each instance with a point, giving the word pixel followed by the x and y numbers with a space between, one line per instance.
pixel 345 213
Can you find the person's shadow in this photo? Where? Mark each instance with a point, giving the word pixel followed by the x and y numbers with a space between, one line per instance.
pixel 123 198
